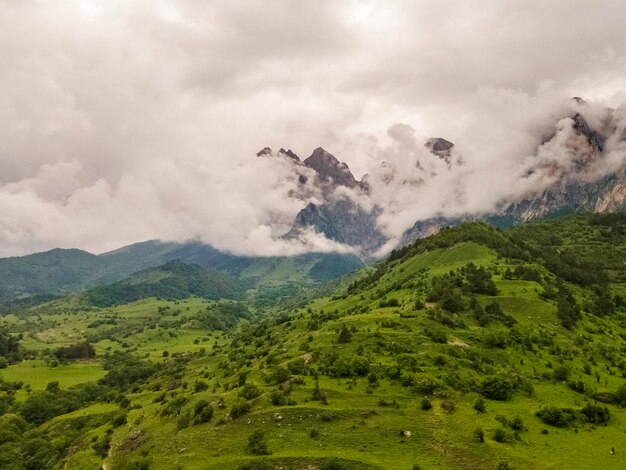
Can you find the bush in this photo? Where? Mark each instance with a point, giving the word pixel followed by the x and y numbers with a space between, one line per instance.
pixel 479 405
pixel 479 434
pixel 257 444
pixel 333 464
pixel 596 414
pixel 496 388
pixel 203 412
pixel 561 373
pixel 501 435
pixel 559 417
pixel 437 335
pixel 278 398
pixel 76 351
pixel 200 386
pixel 448 406
pixel 255 465
pixel 249 392
pixel 239 409
pixel 426 404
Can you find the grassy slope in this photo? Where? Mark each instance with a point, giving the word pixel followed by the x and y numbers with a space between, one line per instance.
pixel 353 425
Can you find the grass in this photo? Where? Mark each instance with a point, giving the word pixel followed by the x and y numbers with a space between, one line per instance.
pixel 38 374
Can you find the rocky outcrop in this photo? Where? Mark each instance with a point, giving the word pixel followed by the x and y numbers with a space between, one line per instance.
pixel 333 199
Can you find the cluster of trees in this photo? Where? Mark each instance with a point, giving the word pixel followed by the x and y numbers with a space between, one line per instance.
pixel 450 289
pixel 84 350
pixel 566 417
pixel 10 352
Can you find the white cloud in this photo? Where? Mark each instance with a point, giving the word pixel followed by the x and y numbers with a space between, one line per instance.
pixel 123 121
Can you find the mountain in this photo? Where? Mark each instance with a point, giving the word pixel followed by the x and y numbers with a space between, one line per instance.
pixel 60 272
pixel 574 168
pixel 174 280
pixel 333 209
pixel 475 348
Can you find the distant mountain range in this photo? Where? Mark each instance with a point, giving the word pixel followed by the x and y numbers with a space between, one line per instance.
pixel 60 272
pixel 332 196
pixel 579 173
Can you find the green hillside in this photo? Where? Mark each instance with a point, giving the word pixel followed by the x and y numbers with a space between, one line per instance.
pixel 172 281
pixel 475 348
pixel 61 272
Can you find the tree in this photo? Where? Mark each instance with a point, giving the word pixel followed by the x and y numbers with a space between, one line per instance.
pixel 568 310
pixel 344 335
pixel 360 366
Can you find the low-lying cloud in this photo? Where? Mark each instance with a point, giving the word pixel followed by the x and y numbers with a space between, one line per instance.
pixel 125 121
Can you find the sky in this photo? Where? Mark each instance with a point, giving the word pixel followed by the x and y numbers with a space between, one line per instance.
pixel 123 121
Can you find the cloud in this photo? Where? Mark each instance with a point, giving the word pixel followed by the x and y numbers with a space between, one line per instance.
pixel 124 121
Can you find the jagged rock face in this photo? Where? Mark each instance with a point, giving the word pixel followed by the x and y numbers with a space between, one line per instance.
pixel 594 139
pixel 331 193
pixel 335 214
pixel 329 169
pixel 426 228
pixel 339 217
pixel 343 221
pixel 264 152
pixel 288 153
pixel 440 147
pixel 574 188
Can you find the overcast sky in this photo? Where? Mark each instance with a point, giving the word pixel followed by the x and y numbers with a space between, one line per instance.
pixel 122 121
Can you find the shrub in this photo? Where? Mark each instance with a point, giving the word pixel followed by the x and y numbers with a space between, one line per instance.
pixel 496 388
pixel 448 406
pixel 561 373
pixel 479 434
pixel 200 386
pixel 426 404
pixel 255 465
pixel 183 419
pixel 333 464
pixel 501 435
pixel 559 417
pixel 437 335
pixel 479 405
pixel 596 414
pixel 203 412
pixel 278 398
pixel 495 340
pixel 257 444
pixel 249 392
pixel 239 409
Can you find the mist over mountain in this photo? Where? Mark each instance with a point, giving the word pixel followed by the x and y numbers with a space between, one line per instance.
pixel 578 163
pixel 129 121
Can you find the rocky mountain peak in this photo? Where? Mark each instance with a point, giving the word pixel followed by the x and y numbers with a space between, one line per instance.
pixel 594 138
pixel 440 147
pixel 289 154
pixel 328 167
pixel 264 152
